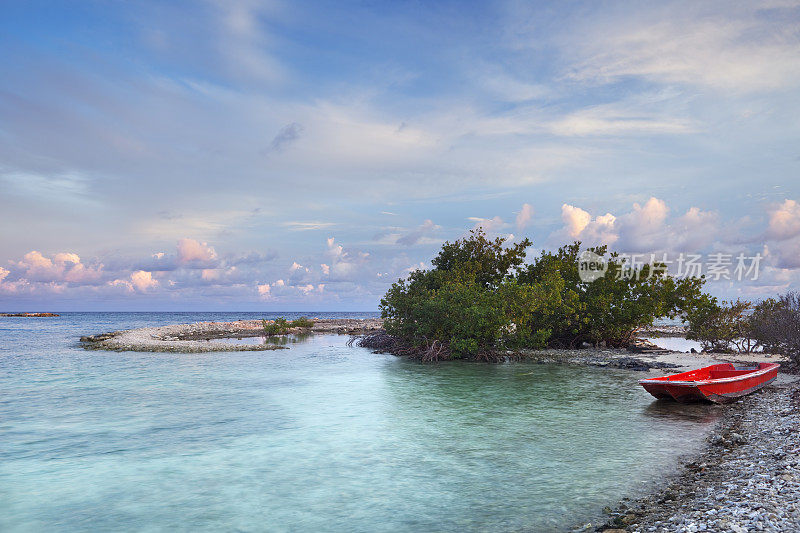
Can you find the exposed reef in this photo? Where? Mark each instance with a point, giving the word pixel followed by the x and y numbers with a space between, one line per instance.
pixel 201 336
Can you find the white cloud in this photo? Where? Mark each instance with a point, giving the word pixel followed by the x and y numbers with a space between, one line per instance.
pixel 696 229
pixel 617 119
pixel 720 45
pixel 419 234
pixel 575 219
pixel 143 280
pixel 63 267
pixel 784 220
pixel 488 225
pixel 524 216
pixel 579 225
pixel 308 226
pixel 190 250
pixel 264 291
pixel 643 228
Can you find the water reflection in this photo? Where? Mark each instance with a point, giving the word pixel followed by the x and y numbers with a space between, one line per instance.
pixel 281 340
pixel 677 412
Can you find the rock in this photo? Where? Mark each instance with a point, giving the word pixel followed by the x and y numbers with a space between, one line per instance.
pixel 737 439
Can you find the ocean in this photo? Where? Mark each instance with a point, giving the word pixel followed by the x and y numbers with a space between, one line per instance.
pixel 319 437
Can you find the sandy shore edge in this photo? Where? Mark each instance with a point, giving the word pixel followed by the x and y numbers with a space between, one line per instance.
pixel 199 336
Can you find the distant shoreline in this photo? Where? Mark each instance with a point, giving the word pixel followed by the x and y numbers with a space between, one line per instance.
pixel 205 336
pixel 29 315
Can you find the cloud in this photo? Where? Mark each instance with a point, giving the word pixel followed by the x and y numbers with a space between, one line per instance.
pixel 579 225
pixel 784 220
pixel 642 228
pixel 242 41
pixel 696 229
pixel 63 267
pixel 142 280
pixel 489 225
pixel 524 216
pixel 251 258
pixel 617 120
pixel 308 226
pixel 345 265
pixel 281 290
pixel 737 47
pixel 415 236
pixel 575 219
pixel 264 291
pixel 286 136
pixel 190 250
pixel 61 187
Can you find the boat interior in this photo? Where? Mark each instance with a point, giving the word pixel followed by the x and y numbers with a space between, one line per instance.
pixel 720 371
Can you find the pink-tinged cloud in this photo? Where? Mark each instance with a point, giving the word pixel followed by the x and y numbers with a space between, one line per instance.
pixel 489 225
pixel 264 291
pixel 524 217
pixel 579 225
pixel 143 280
pixel 191 250
pixel 63 267
pixel 784 220
pixel 575 220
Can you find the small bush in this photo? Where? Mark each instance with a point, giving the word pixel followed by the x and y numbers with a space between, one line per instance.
pixel 279 326
pixel 302 322
pixel 722 327
pixel 775 324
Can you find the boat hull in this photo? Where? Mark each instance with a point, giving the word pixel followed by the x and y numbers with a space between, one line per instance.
pixel 723 383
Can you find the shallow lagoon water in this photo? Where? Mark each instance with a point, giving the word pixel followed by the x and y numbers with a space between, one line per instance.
pixel 319 437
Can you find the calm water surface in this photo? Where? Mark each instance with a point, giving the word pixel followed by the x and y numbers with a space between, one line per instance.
pixel 320 437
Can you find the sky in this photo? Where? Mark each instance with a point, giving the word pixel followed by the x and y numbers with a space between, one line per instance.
pixel 244 155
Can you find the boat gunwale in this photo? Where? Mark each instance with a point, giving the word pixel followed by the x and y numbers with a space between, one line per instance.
pixel 696 383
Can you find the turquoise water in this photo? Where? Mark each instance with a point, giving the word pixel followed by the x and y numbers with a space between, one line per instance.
pixel 320 437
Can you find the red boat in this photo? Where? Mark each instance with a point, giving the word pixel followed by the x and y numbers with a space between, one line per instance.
pixel 723 383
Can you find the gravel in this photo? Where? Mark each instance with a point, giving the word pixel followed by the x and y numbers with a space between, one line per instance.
pixel 747 479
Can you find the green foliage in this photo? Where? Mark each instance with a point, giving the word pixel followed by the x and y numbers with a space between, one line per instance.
pixel 721 327
pixel 613 307
pixel 490 261
pixel 480 296
pixel 279 326
pixel 302 322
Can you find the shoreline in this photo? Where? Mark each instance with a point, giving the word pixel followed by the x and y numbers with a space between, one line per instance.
pixel 29 315
pixel 746 478
pixel 199 337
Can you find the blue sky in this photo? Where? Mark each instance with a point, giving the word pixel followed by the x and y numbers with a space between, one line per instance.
pixel 270 155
